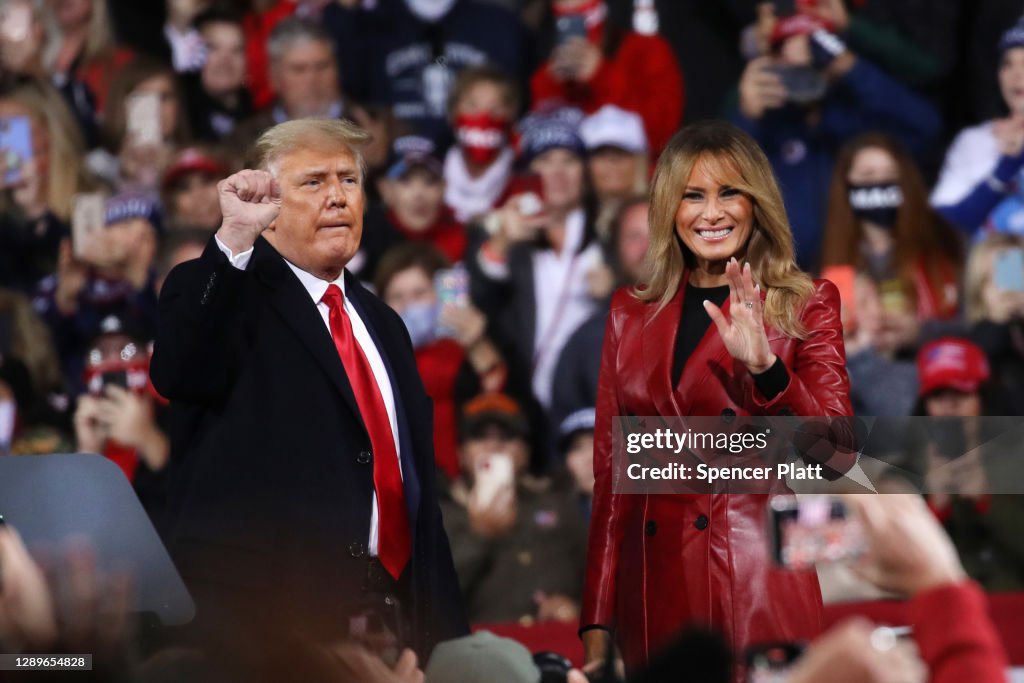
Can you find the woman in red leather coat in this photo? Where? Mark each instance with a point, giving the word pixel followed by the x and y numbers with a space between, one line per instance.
pixel 658 563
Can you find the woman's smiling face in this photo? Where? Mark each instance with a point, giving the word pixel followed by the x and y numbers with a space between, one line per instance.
pixel 714 219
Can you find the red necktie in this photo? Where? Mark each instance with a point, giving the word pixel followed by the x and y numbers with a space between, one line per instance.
pixel 394 544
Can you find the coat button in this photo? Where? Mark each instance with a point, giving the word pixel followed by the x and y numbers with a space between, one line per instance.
pixel 356 549
pixel 364 457
pixel 701 522
pixel 652 527
pixel 728 415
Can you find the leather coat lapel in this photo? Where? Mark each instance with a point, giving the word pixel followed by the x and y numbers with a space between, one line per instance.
pixel 659 348
pixel 658 341
pixel 291 300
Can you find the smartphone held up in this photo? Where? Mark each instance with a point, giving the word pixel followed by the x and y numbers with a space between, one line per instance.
pixel 15 147
pixel 810 530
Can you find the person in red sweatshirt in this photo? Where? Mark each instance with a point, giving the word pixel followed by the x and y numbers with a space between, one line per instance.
pixel 611 65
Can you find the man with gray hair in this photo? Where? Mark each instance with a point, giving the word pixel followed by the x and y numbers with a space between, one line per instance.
pixel 303 76
pixel 305 487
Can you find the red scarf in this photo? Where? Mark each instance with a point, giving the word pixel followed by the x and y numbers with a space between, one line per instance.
pixel 439 363
pixel 447 234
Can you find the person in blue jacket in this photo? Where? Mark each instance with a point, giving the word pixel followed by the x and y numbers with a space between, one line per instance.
pixel 804 99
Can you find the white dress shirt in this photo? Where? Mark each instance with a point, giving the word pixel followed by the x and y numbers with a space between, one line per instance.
pixel 316 289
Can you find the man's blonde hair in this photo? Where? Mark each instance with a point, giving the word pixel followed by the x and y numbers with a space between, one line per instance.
pixel 325 134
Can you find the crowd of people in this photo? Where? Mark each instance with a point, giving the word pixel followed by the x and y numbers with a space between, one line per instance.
pixel 507 188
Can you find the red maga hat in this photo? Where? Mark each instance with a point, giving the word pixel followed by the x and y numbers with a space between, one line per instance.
pixel 189 160
pixel 951 363
pixel 795 25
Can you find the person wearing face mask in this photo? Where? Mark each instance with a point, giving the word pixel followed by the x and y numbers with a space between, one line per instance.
pixel 806 96
pixel 880 224
pixel 979 185
pixel 611 64
pixel 454 356
pixel 535 259
pixel 478 167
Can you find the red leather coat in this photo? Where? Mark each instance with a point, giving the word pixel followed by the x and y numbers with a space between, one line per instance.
pixel 656 563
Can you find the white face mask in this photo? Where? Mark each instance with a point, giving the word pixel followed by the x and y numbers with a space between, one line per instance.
pixel 430 10
pixel 7 416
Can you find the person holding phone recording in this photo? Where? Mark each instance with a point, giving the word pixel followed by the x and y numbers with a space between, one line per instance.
pixel 37 189
pixel 805 96
pixel 454 355
pixel 597 59
pixel 112 274
pixel 518 540
pixel 145 122
pixel 531 265
pixel 994 308
pixel 726 325
pixel 120 416
pixel 909 555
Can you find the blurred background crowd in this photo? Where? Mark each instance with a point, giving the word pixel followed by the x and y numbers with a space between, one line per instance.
pixel 513 142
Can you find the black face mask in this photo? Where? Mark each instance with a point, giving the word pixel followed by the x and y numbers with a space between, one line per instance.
pixel 878 204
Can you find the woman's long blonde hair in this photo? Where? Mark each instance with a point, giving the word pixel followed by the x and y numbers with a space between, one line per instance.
pixel 99 40
pixel 66 173
pixel 31 342
pixel 770 248
pixel 978 272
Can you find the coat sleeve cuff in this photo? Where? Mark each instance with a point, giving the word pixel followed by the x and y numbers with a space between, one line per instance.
pixel 239 260
pixel 772 381
pixel 592 627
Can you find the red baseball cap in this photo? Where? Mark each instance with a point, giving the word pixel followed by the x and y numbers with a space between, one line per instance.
pixel 951 363
pixel 795 25
pixel 192 159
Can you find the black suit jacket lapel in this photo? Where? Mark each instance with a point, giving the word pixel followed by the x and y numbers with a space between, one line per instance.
pixel 292 302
